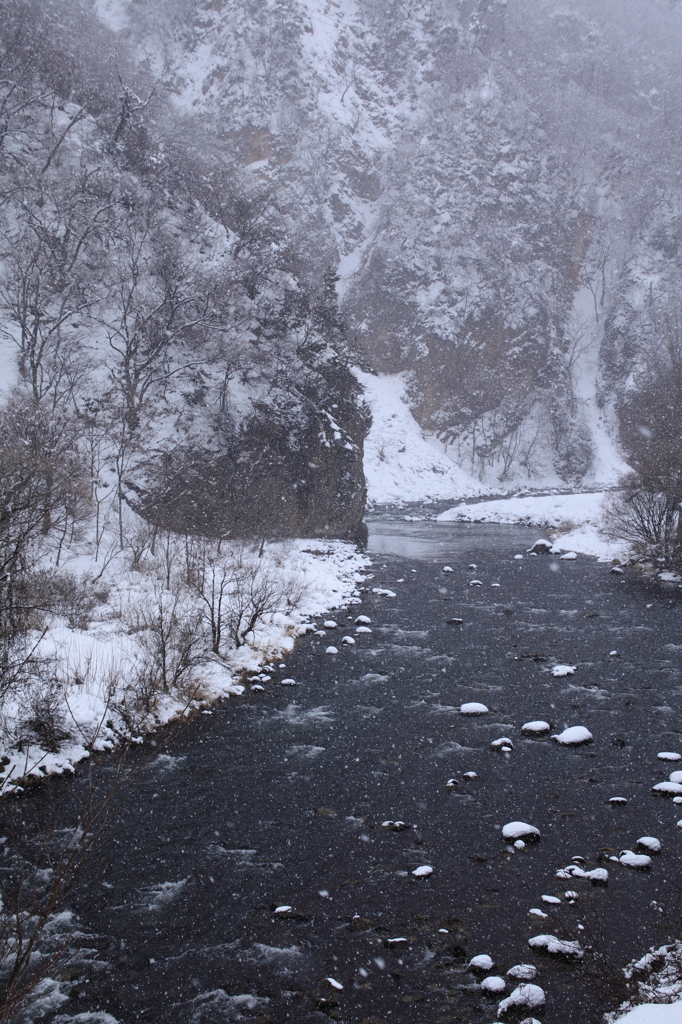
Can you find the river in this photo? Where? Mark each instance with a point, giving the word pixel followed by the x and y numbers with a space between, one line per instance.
pixel 278 799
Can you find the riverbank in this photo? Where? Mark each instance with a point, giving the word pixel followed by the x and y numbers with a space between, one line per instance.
pixel 293 797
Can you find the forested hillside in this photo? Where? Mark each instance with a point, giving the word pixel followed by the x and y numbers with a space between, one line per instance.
pixel 495 181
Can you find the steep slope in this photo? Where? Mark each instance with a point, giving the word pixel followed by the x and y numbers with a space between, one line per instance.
pixel 469 168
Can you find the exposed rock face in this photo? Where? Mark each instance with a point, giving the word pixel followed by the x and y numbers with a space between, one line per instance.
pixel 480 172
pixel 293 472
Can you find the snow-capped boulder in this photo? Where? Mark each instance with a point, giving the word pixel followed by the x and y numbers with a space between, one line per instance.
pixel 473 708
pixel 573 736
pixel 638 861
pixel 520 830
pixel 559 947
pixel 522 972
pixel 482 962
pixel 535 728
pixel 493 984
pixel 525 996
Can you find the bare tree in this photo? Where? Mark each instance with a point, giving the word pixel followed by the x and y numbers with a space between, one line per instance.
pixel 646 513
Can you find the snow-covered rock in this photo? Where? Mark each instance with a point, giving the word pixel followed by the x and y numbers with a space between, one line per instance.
pixel 493 984
pixel 482 962
pixel 573 736
pixel 503 743
pixel 522 972
pixel 667 788
pixel 559 947
pixel 563 670
pixel 535 728
pixel 473 708
pixel 423 871
pixel 525 996
pixel 520 830
pixel 669 755
pixel 649 843
pixel 638 861
pixel 331 650
pixel 541 546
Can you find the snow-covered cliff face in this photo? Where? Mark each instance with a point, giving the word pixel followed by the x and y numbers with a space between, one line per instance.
pixel 495 181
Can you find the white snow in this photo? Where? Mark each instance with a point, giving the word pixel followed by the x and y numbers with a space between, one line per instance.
pixel 402 462
pixel 550 899
pixel 526 996
pixel 668 788
pixel 653 1013
pixel 114 13
pixel 522 972
pixel 482 962
pixel 519 830
pixel 493 983
pixel 331 650
pixel 650 843
pixel 423 871
pixel 329 574
pixel 562 947
pixel 675 776
pixel 638 861
pixel 473 708
pixel 334 983
pixel 669 755
pixel 573 736
pixel 575 517
pixel 536 727
pixel 570 556
pixel 564 670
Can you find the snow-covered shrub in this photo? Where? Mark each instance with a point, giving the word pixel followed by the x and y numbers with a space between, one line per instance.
pixel 646 512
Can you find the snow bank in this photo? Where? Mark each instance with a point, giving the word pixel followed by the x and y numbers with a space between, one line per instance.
pixel 92 664
pixel 401 462
pixel 654 1013
pixel 576 517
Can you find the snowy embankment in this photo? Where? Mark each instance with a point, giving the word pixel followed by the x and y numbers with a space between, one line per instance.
pixel 402 463
pixel 572 519
pixel 659 984
pixel 98 674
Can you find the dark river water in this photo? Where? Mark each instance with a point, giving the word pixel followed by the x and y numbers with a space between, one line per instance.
pixel 278 799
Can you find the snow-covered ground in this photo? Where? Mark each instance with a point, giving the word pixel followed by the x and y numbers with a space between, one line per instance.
pixel 402 463
pixel 93 665
pixel 573 519
pixel 405 464
pixel 659 984
pixel 653 1013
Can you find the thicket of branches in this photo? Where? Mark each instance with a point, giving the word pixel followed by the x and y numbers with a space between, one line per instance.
pixel 647 509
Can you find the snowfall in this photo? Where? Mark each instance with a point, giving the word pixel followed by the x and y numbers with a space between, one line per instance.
pixel 402 465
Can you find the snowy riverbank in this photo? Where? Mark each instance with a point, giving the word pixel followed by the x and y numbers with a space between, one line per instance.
pixel 93 674
pixel 573 520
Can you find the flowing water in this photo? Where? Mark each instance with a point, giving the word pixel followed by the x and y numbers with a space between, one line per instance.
pixel 278 799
